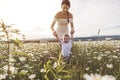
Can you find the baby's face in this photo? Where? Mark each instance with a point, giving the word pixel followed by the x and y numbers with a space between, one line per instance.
pixel 66 39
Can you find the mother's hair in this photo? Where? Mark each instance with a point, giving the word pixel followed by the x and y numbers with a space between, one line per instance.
pixel 67 2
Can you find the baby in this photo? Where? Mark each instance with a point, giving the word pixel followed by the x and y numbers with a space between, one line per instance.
pixel 66 45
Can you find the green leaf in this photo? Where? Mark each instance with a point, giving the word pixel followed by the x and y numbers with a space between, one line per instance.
pixel 17 43
pixel 59 68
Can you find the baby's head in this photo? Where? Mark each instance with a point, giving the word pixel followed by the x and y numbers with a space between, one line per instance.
pixel 66 38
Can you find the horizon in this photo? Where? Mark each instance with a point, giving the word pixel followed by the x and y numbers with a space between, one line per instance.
pixel 92 36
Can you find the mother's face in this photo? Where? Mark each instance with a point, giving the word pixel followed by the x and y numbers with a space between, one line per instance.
pixel 65 7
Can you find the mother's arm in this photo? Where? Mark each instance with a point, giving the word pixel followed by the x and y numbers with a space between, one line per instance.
pixel 72 28
pixel 53 30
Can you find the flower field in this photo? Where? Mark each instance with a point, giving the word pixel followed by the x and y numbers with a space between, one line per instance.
pixel 90 60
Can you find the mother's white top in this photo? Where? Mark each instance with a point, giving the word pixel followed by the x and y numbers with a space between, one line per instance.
pixel 62 26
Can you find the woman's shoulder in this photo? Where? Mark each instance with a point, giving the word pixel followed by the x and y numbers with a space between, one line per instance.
pixel 70 15
pixel 58 14
pixel 61 15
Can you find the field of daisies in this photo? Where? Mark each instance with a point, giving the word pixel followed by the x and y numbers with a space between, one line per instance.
pixel 90 60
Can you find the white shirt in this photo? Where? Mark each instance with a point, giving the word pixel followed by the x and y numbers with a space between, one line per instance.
pixel 66 48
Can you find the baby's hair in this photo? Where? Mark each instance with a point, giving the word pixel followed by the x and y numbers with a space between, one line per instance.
pixel 66 35
pixel 67 2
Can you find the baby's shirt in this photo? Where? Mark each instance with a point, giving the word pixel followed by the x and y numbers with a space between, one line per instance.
pixel 66 48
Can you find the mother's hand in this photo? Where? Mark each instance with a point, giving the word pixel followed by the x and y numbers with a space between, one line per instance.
pixel 72 31
pixel 55 33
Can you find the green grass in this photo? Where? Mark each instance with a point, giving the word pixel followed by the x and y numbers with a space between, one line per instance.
pixel 43 60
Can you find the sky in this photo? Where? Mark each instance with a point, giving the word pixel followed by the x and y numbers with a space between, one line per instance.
pixel 34 17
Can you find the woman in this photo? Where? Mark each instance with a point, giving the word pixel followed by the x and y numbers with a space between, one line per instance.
pixel 63 18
